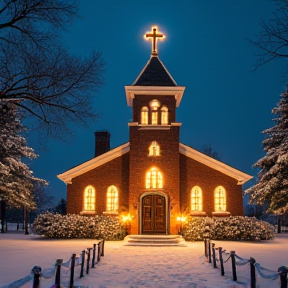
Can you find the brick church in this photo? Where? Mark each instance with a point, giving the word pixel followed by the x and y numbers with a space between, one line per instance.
pixel 153 178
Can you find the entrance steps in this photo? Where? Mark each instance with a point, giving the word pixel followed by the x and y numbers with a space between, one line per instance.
pixel 154 240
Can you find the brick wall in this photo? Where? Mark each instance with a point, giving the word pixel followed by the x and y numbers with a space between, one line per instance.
pixel 115 172
pixel 194 173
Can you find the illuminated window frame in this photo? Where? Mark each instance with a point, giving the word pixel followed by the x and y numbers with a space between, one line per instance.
pixel 164 115
pixel 154 149
pixel 89 198
pixel 112 199
pixel 220 199
pixel 144 115
pixel 154 179
pixel 154 104
pixel 196 199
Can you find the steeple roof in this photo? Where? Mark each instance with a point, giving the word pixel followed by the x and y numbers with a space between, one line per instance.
pixel 154 74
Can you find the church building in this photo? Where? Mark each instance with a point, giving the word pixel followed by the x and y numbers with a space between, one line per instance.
pixel 153 178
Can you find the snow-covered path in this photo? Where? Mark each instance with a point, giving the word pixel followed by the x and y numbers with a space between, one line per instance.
pixel 130 266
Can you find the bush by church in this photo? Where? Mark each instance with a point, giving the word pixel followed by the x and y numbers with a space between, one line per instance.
pixel 107 227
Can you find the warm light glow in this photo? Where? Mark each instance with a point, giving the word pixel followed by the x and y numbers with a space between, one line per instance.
pixel 196 199
pixel 126 218
pixel 154 149
pixel 154 35
pixel 220 199
pixel 154 104
pixel 112 199
pixel 182 218
pixel 154 119
pixel 154 179
pixel 144 115
pixel 89 199
pixel 164 115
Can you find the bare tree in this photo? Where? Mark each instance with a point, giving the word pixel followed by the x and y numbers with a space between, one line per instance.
pixel 39 75
pixel 273 37
pixel 207 150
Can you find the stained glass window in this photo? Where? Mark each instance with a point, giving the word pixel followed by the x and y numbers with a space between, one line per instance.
pixel 112 199
pixel 220 199
pixel 89 199
pixel 196 199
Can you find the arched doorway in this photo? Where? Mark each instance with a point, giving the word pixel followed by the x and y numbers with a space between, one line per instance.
pixel 154 213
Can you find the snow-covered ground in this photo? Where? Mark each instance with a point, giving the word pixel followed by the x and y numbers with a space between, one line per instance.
pixel 130 266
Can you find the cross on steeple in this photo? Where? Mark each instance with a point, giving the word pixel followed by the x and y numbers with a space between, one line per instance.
pixel 154 35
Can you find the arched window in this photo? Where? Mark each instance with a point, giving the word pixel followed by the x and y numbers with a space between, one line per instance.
pixel 164 115
pixel 196 199
pixel 154 179
pixel 144 115
pixel 112 199
pixel 154 104
pixel 220 199
pixel 89 199
pixel 154 149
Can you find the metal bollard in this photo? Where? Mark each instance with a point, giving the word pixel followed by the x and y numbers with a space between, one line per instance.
pixel 98 251
pixel 209 252
pixel 82 264
pixel 252 272
pixel 93 256
pixel 102 251
pixel 58 272
pixel 36 275
pixel 221 261
pixel 214 256
pixel 88 260
pixel 72 271
pixel 232 254
pixel 283 276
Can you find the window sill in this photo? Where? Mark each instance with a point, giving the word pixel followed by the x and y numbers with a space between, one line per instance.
pixel 110 213
pixel 221 214
pixel 87 212
pixel 198 213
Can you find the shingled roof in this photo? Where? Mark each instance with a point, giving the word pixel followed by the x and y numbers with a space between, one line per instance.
pixel 154 74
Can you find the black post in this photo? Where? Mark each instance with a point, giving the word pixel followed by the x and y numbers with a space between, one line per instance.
pixel 209 252
pixel 283 276
pixel 72 270
pixel 93 256
pixel 278 225
pixel 58 272
pixel 205 248
pixel 102 251
pixel 2 214
pixel 88 260
pixel 36 275
pixel 82 264
pixel 252 272
pixel 221 261
pixel 25 221
pixel 98 251
pixel 214 256
pixel 232 254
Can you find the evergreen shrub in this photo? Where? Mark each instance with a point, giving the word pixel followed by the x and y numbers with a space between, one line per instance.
pixel 74 226
pixel 230 228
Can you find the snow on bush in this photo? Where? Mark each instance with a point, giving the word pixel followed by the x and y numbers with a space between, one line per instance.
pixel 230 228
pixel 76 226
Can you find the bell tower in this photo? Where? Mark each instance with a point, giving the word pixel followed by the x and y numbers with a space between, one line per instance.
pixel 154 145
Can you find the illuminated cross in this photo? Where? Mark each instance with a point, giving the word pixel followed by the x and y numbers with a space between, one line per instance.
pixel 154 35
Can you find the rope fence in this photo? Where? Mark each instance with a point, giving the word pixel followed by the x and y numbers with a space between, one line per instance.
pixel 63 274
pixel 245 271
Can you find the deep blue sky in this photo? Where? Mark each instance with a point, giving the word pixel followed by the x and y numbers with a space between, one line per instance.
pixel 224 104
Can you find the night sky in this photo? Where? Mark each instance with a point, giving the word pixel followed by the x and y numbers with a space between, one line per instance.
pixel 225 105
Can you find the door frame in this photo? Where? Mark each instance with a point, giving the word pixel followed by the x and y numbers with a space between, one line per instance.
pixel 167 211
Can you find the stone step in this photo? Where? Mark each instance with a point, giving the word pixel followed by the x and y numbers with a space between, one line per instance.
pixel 154 240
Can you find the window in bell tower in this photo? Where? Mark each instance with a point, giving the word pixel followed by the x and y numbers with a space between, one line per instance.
pixel 144 115
pixel 154 149
pixel 154 104
pixel 164 115
pixel 154 179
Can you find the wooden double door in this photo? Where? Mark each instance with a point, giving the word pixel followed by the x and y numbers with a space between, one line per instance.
pixel 153 214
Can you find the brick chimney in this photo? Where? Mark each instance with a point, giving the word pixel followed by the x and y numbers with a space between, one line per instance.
pixel 102 142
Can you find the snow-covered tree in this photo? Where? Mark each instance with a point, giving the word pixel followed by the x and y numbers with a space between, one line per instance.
pixel 16 179
pixel 272 186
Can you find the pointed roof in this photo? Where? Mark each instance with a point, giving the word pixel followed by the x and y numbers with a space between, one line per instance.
pixel 154 74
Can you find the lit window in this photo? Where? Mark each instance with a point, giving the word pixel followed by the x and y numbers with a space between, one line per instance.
pixel 154 120
pixel 154 149
pixel 154 179
pixel 196 199
pixel 144 115
pixel 89 199
pixel 164 115
pixel 220 199
pixel 154 104
pixel 112 199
